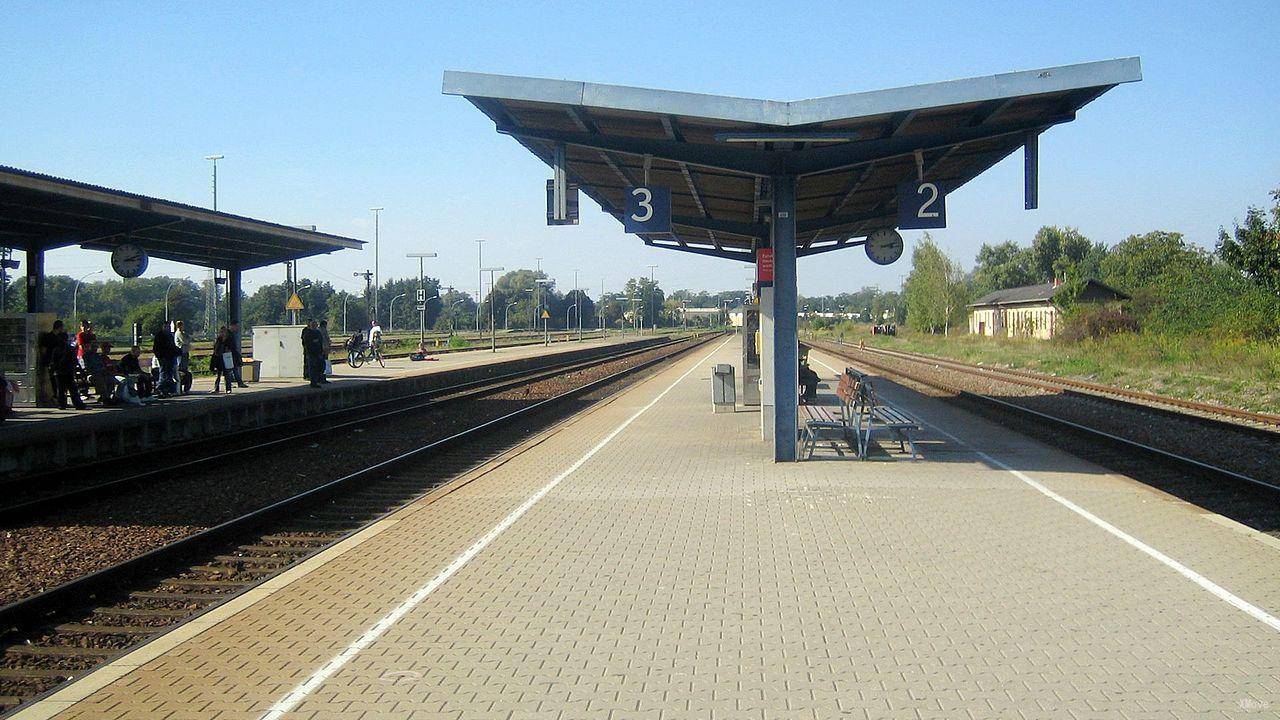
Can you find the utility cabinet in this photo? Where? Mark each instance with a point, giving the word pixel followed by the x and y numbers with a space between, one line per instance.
pixel 279 350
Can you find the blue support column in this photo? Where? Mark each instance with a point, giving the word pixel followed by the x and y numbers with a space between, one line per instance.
pixel 234 291
pixel 35 280
pixel 786 361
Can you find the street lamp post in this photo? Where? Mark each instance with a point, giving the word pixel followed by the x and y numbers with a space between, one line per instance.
pixel 391 315
pixel 75 294
pixel 649 300
pixel 344 313
pixel 452 319
pixel 577 303
pixel 376 278
pixel 506 315
pixel 493 329
pixel 479 279
pixel 166 300
pixel 422 294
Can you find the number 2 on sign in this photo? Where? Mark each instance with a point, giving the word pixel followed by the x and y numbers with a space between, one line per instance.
pixel 924 212
pixel 644 201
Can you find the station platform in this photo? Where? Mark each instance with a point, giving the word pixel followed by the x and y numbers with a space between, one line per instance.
pixel 36 438
pixel 647 560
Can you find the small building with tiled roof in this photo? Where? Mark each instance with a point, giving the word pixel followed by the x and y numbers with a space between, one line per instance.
pixel 1029 311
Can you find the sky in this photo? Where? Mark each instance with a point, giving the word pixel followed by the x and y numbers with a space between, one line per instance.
pixel 324 110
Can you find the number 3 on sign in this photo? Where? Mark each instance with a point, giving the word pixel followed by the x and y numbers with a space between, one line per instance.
pixel 921 205
pixel 648 210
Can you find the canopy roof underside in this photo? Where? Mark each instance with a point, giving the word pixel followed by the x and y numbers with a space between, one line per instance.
pixel 40 211
pixel 848 153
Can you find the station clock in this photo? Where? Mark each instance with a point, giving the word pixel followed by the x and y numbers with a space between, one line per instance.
pixel 129 260
pixel 884 247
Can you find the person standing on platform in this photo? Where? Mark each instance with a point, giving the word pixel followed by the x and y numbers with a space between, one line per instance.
pixel 86 341
pixel 313 355
pixel 166 354
pixel 233 337
pixel 222 363
pixel 183 343
pixel 326 343
pixel 59 359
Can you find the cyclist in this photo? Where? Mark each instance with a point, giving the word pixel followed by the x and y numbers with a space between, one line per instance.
pixel 355 349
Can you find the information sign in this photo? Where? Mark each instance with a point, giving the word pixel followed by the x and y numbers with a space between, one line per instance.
pixel 921 205
pixel 764 267
pixel 648 210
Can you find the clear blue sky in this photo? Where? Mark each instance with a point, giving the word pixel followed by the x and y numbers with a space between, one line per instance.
pixel 324 111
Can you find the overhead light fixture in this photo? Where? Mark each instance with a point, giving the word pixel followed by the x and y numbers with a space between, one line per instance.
pixel 798 137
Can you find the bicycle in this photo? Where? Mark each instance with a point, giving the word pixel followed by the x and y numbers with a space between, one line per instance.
pixel 358 356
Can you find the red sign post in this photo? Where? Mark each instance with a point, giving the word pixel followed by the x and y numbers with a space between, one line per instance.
pixel 764 266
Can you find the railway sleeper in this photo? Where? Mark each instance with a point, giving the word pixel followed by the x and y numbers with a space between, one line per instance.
pixel 91 629
pixel 251 574
pixel 60 652
pixel 191 597
pixel 270 557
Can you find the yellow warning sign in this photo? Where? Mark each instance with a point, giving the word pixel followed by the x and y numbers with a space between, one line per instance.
pixel 546 315
pixel 295 303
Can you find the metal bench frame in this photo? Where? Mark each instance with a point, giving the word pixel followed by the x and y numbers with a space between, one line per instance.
pixel 870 415
pixel 821 421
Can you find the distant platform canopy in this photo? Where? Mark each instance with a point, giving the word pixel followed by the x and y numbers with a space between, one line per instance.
pixel 848 153
pixel 40 212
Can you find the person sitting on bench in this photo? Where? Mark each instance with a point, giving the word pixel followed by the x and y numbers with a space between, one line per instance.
pixel 132 369
pixel 808 379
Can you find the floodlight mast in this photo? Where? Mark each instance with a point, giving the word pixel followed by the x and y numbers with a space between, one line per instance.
pixel 377 280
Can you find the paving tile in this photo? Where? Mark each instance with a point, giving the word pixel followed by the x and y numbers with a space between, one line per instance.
pixel 677 573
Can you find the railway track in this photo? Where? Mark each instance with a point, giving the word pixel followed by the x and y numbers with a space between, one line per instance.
pixel 1248 420
pixel 1250 500
pixel 27 496
pixel 68 630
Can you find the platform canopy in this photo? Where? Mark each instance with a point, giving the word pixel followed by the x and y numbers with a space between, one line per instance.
pixel 848 153
pixel 41 212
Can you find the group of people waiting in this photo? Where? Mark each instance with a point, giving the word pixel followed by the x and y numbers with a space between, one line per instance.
pixel 315 352
pixel 79 364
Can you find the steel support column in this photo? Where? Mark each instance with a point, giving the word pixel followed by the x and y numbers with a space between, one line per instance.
pixel 786 361
pixel 35 280
pixel 233 297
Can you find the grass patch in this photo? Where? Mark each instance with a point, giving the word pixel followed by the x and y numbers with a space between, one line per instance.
pixel 1226 371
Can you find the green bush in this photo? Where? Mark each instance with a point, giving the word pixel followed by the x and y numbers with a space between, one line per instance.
pixel 1095 322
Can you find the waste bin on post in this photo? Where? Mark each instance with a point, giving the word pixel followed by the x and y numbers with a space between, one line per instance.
pixel 724 394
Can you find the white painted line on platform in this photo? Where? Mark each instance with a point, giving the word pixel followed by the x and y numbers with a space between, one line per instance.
pixel 300 693
pixel 1217 590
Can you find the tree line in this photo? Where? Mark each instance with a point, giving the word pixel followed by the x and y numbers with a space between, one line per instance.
pixel 518 299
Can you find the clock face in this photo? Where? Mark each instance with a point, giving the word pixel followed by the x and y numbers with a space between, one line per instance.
pixel 129 260
pixel 884 247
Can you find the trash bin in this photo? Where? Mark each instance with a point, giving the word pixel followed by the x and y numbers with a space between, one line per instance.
pixel 251 370
pixel 724 394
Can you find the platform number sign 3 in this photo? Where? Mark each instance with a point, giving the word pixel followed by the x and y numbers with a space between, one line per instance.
pixel 648 210
pixel 922 205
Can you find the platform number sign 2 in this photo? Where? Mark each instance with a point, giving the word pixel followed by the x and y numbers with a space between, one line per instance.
pixel 648 210
pixel 922 205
